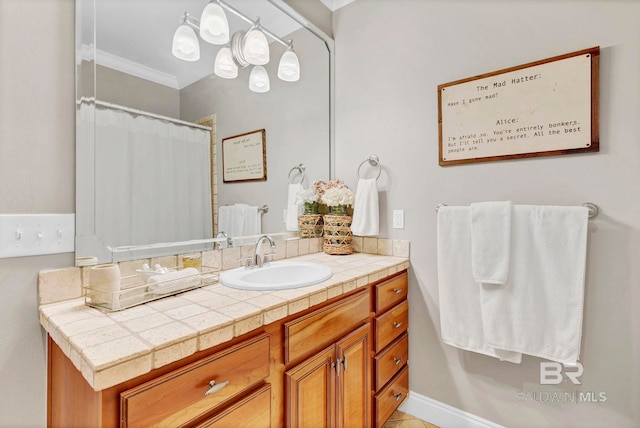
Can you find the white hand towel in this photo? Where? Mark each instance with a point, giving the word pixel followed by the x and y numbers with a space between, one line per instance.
pixel 459 294
pixel 293 210
pixel 366 212
pixel 174 281
pixel 252 221
pixel 231 219
pixel 539 310
pixel 490 241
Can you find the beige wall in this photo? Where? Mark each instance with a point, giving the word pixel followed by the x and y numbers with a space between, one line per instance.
pixel 37 172
pixel 390 57
pixel 124 89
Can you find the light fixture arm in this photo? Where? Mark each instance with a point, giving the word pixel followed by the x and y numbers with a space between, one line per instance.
pixel 252 22
pixel 191 21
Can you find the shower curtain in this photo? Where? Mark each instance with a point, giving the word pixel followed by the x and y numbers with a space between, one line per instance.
pixel 152 180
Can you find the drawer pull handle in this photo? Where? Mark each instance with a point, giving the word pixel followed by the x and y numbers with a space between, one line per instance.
pixel 397 396
pixel 397 360
pixel 397 290
pixel 397 324
pixel 215 387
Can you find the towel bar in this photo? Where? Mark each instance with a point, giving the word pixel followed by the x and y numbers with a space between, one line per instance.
pixel 593 208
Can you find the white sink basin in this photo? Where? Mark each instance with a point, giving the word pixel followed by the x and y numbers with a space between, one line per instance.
pixel 276 276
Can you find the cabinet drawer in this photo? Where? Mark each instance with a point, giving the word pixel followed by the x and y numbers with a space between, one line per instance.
pixel 391 325
pixel 179 396
pixel 391 396
pixel 251 412
pixel 324 326
pixel 391 292
pixel 392 359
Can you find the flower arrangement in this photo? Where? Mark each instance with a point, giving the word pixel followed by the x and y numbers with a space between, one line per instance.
pixel 306 196
pixel 336 193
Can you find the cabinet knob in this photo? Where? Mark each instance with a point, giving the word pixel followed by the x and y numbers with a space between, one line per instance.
pixel 215 387
pixel 397 324
pixel 397 360
pixel 397 396
pixel 397 290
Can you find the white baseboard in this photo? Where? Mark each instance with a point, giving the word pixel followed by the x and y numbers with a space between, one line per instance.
pixel 441 414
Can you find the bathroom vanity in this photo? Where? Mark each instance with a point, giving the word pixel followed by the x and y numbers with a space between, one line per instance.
pixel 331 354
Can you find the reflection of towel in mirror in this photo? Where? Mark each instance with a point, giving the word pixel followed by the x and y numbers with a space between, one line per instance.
pixel 293 210
pixel 231 219
pixel 252 224
pixel 366 210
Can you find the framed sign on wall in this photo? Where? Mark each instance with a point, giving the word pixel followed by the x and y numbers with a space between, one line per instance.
pixel 244 157
pixel 544 108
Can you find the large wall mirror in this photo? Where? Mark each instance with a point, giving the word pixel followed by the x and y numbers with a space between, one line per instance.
pixel 148 182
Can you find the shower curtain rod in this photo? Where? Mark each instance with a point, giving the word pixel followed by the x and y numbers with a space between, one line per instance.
pixel 144 113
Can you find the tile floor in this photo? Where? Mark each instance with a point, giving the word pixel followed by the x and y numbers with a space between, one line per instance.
pixel 402 420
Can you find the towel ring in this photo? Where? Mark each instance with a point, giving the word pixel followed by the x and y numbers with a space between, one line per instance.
pixel 373 161
pixel 301 168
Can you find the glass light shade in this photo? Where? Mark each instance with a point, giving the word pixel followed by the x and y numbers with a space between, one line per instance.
pixel 224 65
pixel 214 27
pixel 289 67
pixel 256 47
pixel 185 44
pixel 259 79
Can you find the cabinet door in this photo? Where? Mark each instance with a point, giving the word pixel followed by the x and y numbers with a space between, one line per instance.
pixel 310 391
pixel 354 379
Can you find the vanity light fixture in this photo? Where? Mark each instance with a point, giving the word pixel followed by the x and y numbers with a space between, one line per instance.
pixel 242 49
pixel 289 66
pixel 185 41
pixel 259 79
pixel 224 65
pixel 214 27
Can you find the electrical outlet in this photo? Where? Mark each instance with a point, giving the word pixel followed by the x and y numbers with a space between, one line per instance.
pixel 398 219
pixel 35 234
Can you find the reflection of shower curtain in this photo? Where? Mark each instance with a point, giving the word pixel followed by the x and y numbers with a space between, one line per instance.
pixel 152 180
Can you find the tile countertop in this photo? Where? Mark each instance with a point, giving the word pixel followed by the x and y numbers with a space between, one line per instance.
pixel 111 347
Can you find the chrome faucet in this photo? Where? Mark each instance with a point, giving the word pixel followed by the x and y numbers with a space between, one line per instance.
pixel 224 235
pixel 258 260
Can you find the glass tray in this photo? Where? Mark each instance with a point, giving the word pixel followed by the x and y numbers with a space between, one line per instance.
pixel 135 291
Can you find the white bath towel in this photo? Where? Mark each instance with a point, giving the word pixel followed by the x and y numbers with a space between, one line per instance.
pixel 252 224
pixel 366 212
pixel 231 219
pixel 539 310
pixel 293 210
pixel 459 294
pixel 490 241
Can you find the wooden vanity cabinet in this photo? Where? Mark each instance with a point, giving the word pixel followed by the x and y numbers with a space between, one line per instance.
pixel 331 387
pixel 342 363
pixel 174 396
pixel 391 380
pixel 182 396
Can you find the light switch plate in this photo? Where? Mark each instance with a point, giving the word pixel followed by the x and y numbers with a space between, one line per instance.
pixel 34 234
pixel 398 219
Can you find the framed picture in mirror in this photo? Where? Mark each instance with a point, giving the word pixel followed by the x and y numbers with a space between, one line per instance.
pixel 244 157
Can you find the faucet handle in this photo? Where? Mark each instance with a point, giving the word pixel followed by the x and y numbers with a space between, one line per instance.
pixel 268 257
pixel 248 261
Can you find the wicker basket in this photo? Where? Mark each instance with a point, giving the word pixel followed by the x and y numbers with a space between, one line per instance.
pixel 337 234
pixel 310 225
